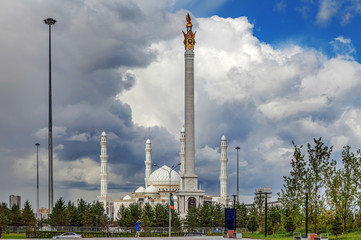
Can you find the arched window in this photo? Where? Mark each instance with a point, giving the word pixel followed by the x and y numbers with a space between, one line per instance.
pixel 191 202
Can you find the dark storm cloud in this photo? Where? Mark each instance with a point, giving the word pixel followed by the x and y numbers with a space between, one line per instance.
pixel 93 45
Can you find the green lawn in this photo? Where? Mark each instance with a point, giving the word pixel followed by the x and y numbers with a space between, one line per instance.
pixel 13 235
pixel 285 236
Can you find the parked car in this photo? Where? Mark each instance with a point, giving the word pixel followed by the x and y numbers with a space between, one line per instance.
pixel 68 235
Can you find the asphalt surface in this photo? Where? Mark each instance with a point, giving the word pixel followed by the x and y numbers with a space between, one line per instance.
pixel 153 238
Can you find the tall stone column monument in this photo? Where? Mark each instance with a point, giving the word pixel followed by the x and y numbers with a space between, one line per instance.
pixel 189 194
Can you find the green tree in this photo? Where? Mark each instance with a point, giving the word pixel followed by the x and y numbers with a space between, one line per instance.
pixel 289 224
pixel 58 216
pixel 27 215
pixel 84 215
pixel 72 214
pixel 252 223
pixel 336 227
pixel 318 164
pixel 291 196
pixel 147 216
pixel 350 182
pixel 15 216
pixel 135 213
pixel 97 215
pixel 124 217
pixel 274 218
pixel 205 217
pixel 160 216
pixel 176 222
pixel 242 216
pixel 218 215
pixel 191 219
pixel 258 207
pixel 5 215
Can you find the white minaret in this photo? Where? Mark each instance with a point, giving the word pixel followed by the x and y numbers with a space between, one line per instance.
pixel 181 153
pixel 224 160
pixel 148 161
pixel 104 197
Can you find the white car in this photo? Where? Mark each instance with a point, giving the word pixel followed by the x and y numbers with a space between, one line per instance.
pixel 68 235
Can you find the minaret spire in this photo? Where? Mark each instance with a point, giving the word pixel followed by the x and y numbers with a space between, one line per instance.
pixel 104 197
pixel 223 175
pixel 148 161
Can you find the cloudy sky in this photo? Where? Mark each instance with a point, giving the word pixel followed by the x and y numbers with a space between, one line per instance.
pixel 266 72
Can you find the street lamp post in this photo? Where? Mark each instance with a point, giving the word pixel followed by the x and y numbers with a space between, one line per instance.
pixel 265 214
pixel 96 224
pixel 37 179
pixel 306 191
pixel 237 148
pixel 170 210
pixel 260 192
pixel 50 21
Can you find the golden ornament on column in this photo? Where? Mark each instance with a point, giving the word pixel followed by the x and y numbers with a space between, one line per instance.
pixel 189 36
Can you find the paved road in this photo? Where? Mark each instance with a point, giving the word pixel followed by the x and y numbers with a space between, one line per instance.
pixel 154 238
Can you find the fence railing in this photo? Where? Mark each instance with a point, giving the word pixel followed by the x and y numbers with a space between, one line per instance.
pixel 111 229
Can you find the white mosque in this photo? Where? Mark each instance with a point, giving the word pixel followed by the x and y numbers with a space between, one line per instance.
pixel 165 179
pixel 157 184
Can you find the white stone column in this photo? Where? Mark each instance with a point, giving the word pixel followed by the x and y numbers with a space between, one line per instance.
pixel 148 161
pixel 189 114
pixel 223 178
pixel 181 153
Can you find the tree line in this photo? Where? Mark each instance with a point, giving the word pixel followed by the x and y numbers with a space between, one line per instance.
pixel 333 188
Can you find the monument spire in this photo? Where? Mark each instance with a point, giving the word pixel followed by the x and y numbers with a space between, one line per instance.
pixel 189 40
pixel 189 107
pixel 189 195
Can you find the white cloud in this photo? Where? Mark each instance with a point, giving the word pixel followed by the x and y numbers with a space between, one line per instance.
pixel 345 10
pixel 80 170
pixel 81 137
pixel 343 47
pixel 328 9
pixel 56 131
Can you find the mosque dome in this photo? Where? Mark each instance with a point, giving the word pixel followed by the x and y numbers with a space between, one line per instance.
pixel 151 189
pixel 223 138
pixel 148 141
pixel 140 190
pixel 183 130
pixel 161 177
pixel 104 134
pixel 127 197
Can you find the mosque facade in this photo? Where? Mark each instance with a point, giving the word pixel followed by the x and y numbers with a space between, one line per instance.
pixel 182 183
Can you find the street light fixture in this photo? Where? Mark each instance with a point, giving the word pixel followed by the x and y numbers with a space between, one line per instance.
pixel 265 214
pixel 37 179
pixel 170 210
pixel 237 148
pixel 260 192
pixel 50 21
pixel 306 191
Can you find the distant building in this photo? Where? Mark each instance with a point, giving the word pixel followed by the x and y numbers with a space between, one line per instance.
pixel 43 213
pixel 260 194
pixel 14 200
